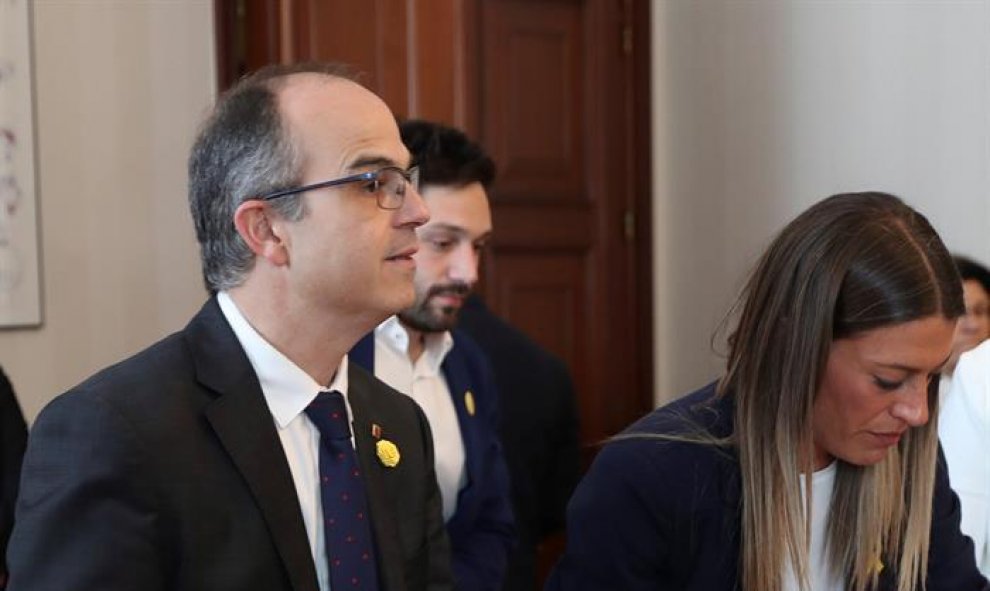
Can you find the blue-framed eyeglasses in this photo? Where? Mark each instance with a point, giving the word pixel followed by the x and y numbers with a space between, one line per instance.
pixel 387 184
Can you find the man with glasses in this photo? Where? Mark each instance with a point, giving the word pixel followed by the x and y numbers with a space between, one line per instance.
pixel 418 352
pixel 244 452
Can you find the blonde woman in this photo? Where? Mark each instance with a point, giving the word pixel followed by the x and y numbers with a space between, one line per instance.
pixel 812 463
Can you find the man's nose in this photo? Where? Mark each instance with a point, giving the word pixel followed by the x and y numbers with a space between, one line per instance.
pixel 413 212
pixel 464 264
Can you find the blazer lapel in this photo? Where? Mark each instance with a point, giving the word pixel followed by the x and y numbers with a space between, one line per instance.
pixel 244 425
pixel 459 383
pixel 363 352
pixel 383 520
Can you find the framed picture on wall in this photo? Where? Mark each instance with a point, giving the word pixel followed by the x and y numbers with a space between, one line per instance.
pixel 20 261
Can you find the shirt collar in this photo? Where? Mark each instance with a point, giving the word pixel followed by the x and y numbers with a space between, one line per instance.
pixel 288 390
pixel 435 346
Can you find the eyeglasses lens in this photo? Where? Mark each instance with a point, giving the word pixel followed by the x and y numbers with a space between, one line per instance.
pixel 394 183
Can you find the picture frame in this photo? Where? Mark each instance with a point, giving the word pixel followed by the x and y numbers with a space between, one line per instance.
pixel 20 256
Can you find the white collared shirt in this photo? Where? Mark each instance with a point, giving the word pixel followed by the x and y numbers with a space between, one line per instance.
pixel 424 382
pixel 288 390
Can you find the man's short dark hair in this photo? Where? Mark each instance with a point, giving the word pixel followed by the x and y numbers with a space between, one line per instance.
pixel 244 150
pixel 445 155
pixel 970 269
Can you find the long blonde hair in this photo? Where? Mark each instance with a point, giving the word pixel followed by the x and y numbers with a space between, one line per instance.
pixel 850 263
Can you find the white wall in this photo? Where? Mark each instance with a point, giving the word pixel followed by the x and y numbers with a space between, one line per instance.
pixel 760 108
pixel 120 88
pixel 763 107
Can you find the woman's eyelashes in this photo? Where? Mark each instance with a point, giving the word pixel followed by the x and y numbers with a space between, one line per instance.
pixel 888 385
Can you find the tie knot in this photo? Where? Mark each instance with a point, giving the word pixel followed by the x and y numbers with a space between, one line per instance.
pixel 329 413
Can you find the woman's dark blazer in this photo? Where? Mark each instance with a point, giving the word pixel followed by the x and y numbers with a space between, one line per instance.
pixel 657 515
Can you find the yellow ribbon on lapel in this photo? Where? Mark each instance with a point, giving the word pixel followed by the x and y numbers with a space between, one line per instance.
pixel 388 453
pixel 469 402
pixel 877 565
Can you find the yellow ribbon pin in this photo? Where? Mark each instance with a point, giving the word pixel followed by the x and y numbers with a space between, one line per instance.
pixel 877 565
pixel 388 453
pixel 469 402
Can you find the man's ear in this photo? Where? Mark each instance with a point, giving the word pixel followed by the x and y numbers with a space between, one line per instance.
pixel 259 227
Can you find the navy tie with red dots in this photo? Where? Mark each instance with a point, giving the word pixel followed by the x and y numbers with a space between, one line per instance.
pixel 346 526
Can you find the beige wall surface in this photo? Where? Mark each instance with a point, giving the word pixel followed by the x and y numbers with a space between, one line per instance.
pixel 760 108
pixel 120 88
pixel 763 107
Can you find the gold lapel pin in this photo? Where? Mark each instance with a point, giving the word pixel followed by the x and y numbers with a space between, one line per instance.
pixel 877 565
pixel 388 453
pixel 469 402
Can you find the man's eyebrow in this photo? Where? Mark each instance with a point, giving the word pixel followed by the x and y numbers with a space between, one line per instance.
pixel 458 230
pixel 442 227
pixel 372 161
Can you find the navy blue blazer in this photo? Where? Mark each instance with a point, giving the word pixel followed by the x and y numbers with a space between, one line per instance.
pixel 657 515
pixel 481 531
pixel 539 434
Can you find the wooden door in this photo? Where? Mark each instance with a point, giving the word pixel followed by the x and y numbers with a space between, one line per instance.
pixel 413 54
pixel 557 106
pixel 558 93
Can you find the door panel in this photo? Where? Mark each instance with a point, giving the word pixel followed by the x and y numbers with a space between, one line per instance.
pixel 370 35
pixel 558 112
pixel 532 83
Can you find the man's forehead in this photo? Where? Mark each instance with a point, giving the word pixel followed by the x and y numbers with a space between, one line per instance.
pixel 337 115
pixel 458 209
pixel 306 94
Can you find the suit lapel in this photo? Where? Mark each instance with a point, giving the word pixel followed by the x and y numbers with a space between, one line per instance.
pixel 459 383
pixel 363 353
pixel 244 426
pixel 383 520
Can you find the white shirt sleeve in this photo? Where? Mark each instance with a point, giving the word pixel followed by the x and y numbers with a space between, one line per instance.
pixel 964 429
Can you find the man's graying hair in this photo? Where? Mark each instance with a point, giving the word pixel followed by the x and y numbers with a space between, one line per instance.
pixel 244 150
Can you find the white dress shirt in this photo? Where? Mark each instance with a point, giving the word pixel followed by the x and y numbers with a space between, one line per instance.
pixel 964 428
pixel 288 390
pixel 424 382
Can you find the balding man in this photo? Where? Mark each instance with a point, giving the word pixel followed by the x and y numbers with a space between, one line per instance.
pixel 244 452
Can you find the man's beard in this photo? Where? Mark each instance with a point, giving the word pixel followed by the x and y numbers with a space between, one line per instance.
pixel 424 318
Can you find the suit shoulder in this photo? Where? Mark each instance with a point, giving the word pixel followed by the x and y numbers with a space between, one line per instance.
pixel 161 361
pixel 690 432
pixel 137 386
pixel 700 412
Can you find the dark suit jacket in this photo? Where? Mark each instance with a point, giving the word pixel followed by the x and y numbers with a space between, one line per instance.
pixel 539 433
pixel 657 515
pixel 481 530
pixel 165 472
pixel 13 438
